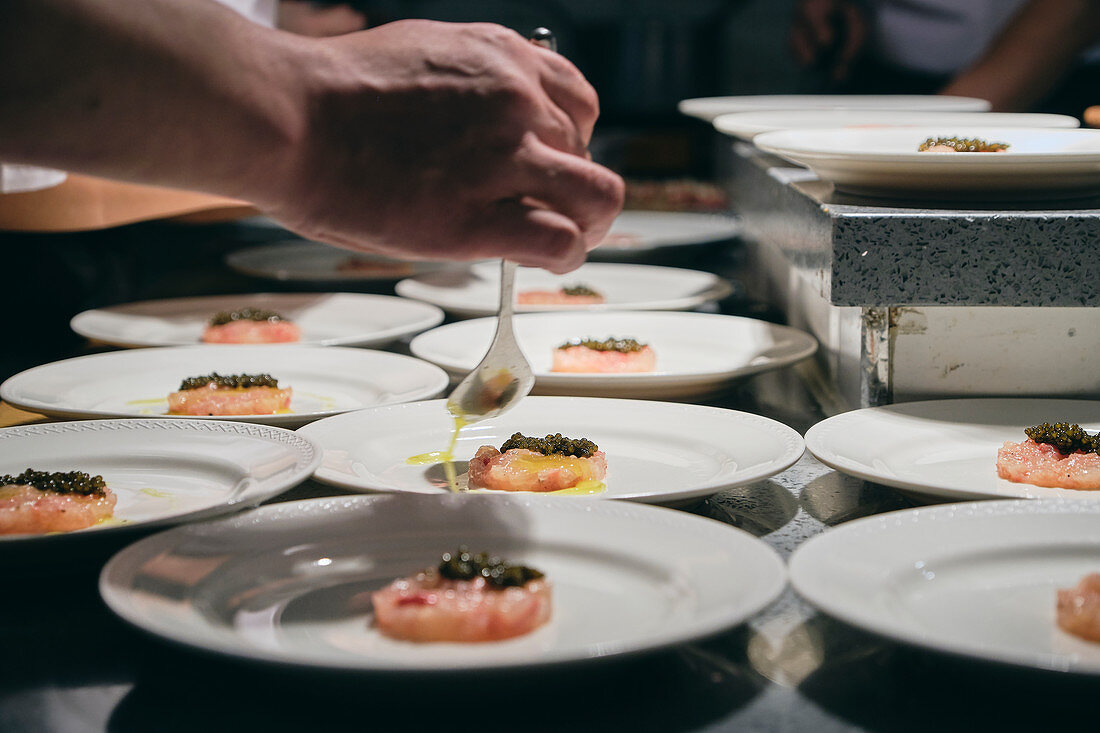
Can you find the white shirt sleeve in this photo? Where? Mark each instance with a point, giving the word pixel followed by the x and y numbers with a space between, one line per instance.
pixel 22 178
pixel 938 36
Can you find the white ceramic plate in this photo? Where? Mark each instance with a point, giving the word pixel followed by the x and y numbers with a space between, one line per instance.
pixel 299 261
pixel 475 291
pixel 326 380
pixel 290 583
pixel 326 319
pixel 163 471
pixel 707 108
pixel 656 452
pixel 640 231
pixel 697 353
pixel 976 579
pixel 1039 162
pixel 747 125
pixel 944 448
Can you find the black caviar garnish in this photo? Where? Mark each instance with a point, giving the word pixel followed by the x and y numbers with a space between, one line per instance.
pixel 963 145
pixel 579 290
pixel 551 445
pixel 229 381
pixel 245 314
pixel 624 346
pixel 499 573
pixel 59 482
pixel 1066 437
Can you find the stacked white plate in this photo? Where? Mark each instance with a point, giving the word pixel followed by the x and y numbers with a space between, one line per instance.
pixel 1039 162
pixel 747 125
pixel 707 108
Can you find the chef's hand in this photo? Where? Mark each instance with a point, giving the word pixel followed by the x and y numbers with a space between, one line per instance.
pixel 440 140
pixel 828 34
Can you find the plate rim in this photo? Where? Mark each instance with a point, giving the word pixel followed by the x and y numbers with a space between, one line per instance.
pixel 846 466
pixel 432 316
pixel 794 449
pixel 765 555
pixel 264 432
pixel 800 576
pixel 727 127
pixel 232 260
pixel 441 381
pixel 733 228
pixel 718 288
pixel 943 101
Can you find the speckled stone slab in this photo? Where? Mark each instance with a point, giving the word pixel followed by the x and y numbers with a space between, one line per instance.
pixel 879 252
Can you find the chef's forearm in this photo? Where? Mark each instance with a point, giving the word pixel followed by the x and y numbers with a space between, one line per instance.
pixel 173 92
pixel 1037 48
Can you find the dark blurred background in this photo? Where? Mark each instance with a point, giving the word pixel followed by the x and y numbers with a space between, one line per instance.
pixel 644 56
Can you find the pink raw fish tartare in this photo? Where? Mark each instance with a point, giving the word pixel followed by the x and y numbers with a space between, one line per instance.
pixel 553 463
pixel 1055 456
pixel 234 394
pixel 466 598
pixel 37 502
pixel 250 326
pixel 575 295
pixel 610 356
pixel 1079 608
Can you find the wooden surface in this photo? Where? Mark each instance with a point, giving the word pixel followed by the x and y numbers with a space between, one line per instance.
pixel 84 203
pixel 10 416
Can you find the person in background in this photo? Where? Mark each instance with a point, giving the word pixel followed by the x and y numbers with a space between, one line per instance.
pixel 1021 55
pixel 413 139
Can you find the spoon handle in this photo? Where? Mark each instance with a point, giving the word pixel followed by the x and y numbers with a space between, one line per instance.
pixel 504 343
pixel 544 37
pixel 507 289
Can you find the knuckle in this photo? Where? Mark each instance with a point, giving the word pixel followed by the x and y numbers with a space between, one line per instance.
pixel 610 188
pixel 587 96
pixel 495 34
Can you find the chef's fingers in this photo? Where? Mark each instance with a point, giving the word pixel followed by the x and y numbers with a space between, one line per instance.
pixel 570 92
pixel 531 235
pixel 587 193
pixel 558 130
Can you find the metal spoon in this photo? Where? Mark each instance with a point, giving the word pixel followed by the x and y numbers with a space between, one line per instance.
pixel 503 377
